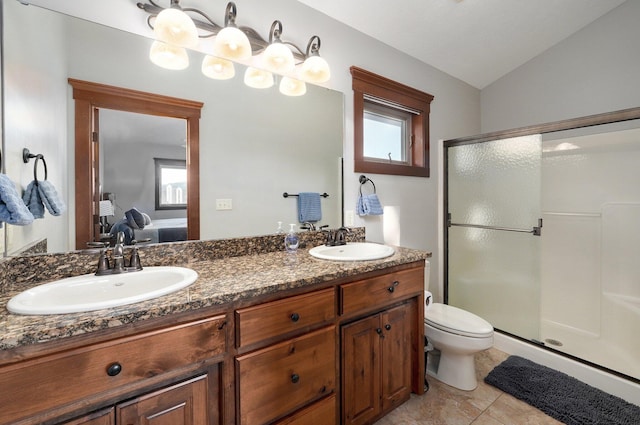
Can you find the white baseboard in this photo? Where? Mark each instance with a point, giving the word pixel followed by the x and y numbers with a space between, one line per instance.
pixel 607 382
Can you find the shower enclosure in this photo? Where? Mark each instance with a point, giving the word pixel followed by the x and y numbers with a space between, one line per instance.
pixel 542 237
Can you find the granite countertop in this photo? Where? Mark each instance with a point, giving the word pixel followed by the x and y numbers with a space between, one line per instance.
pixel 220 281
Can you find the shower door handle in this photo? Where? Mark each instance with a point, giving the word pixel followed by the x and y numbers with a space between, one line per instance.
pixel 535 231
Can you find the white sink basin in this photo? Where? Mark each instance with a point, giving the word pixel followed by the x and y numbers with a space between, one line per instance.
pixel 89 292
pixel 352 251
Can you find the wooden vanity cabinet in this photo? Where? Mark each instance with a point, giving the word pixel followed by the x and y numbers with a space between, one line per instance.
pixel 185 403
pixel 291 366
pixel 380 351
pixel 60 383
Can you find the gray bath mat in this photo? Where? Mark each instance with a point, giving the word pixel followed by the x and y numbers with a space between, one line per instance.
pixel 559 395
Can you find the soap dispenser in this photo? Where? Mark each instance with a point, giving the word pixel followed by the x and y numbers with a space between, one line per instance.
pixel 291 240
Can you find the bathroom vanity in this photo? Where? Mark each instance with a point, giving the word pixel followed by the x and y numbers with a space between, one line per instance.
pixel 266 338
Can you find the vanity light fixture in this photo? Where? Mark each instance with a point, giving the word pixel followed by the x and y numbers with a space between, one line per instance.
pixel 181 27
pixel 218 68
pixel 168 56
pixel 230 42
pixel 258 78
pixel 292 87
pixel 175 27
pixel 277 57
pixel 315 69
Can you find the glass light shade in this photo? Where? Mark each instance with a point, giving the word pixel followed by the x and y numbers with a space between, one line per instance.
pixel 175 27
pixel 292 87
pixel 315 70
pixel 218 68
pixel 278 58
pixel 168 56
pixel 258 78
pixel 231 43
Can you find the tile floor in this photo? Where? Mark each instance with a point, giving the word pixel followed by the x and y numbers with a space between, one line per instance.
pixel 486 405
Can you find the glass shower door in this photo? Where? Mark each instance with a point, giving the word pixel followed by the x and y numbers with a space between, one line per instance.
pixel 493 252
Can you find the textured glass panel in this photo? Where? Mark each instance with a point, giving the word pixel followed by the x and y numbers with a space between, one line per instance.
pixel 496 183
pixel 494 273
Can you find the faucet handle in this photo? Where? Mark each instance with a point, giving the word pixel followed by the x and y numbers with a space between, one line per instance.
pixel 134 260
pixel 103 263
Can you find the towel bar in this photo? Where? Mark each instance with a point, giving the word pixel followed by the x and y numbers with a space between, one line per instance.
pixel 286 195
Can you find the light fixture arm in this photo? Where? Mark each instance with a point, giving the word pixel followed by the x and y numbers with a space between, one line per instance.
pixel 275 32
pixel 230 15
pixel 313 47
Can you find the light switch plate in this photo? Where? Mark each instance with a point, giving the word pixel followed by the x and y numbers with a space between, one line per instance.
pixel 349 218
pixel 223 204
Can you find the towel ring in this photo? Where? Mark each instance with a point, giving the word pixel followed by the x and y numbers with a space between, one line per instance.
pixel 363 180
pixel 26 157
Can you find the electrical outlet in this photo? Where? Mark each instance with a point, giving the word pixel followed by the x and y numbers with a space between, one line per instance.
pixel 223 204
pixel 349 218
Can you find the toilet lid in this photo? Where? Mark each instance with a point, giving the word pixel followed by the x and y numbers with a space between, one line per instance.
pixel 457 321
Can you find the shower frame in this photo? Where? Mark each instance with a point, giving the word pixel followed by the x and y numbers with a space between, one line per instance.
pixel 569 124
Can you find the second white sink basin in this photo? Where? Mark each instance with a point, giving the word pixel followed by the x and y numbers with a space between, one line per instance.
pixel 352 251
pixel 89 292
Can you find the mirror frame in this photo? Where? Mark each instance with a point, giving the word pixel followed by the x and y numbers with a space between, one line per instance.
pixel 90 96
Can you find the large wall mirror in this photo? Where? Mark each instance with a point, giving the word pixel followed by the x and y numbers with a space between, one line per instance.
pixel 254 145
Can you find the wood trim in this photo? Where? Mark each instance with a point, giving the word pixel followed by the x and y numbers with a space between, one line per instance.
pixel 88 95
pixel 366 82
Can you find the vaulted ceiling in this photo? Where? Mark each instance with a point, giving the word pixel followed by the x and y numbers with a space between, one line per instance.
pixel 477 41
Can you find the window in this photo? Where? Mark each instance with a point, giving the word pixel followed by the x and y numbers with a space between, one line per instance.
pixel 171 184
pixel 391 126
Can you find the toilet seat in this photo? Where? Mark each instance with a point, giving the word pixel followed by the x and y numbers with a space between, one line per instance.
pixel 451 319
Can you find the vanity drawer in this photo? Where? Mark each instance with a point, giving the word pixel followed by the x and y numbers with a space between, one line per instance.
pixel 281 317
pixel 286 376
pixel 380 290
pixel 69 376
pixel 322 412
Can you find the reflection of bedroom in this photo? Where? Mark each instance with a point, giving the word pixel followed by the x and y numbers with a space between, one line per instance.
pixel 129 143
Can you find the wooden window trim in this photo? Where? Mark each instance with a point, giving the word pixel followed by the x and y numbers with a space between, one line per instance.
pixel 368 83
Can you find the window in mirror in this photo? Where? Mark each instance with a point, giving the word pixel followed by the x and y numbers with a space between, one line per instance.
pixel 391 126
pixel 171 184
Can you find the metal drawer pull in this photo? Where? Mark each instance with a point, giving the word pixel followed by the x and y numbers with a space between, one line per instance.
pixel 295 317
pixel 114 369
pixel 387 327
pixel 295 378
pixel 393 287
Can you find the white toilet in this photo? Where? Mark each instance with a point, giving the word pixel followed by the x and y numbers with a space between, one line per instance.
pixel 457 335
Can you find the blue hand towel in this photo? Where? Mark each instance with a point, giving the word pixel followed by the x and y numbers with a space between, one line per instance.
pixel 309 208
pixel 369 205
pixel 33 201
pixel 12 208
pixel 50 198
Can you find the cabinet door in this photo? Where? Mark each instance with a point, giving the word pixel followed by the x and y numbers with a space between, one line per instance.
pixel 396 356
pixel 102 417
pixel 361 370
pixel 182 404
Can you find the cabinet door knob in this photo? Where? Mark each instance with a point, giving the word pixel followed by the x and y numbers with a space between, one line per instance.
pixel 295 317
pixel 114 369
pixel 393 286
pixel 295 378
pixel 379 332
pixel 387 327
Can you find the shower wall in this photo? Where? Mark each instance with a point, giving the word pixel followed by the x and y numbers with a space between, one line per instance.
pixel 590 268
